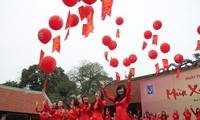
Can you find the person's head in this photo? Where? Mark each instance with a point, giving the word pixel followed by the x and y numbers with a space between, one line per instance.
pixel 85 99
pixel 60 104
pixel 154 114
pixel 163 113
pixel 75 102
pixel 99 94
pixel 54 105
pixel 197 110
pixel 175 111
pixel 121 92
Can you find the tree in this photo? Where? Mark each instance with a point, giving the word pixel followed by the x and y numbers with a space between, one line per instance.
pixel 58 85
pixel 86 75
pixel 11 83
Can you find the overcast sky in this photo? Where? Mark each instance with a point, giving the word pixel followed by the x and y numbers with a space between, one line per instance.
pixel 22 19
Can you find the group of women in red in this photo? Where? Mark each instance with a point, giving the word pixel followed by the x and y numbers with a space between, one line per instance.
pixel 81 109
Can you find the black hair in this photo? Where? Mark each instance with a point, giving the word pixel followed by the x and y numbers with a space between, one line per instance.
pixel 102 98
pixel 118 96
pixel 84 95
pixel 76 102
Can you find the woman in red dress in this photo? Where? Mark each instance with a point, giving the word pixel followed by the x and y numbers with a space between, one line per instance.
pixel 98 106
pixel 175 115
pixel 187 114
pixel 197 113
pixel 121 100
pixel 108 116
pixel 44 114
pixel 164 116
pixel 60 113
pixel 85 108
pixel 154 116
pixel 73 112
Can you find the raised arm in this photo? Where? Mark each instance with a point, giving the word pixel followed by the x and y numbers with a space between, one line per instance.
pixel 108 96
pixel 128 85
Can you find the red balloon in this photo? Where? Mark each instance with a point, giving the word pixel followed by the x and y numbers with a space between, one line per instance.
pixel 147 34
pixel 106 40
pixel 48 64
pixel 126 62
pixel 157 24
pixel 198 29
pixel 153 54
pixel 119 21
pixel 132 58
pixel 88 10
pixel 112 45
pixel 74 20
pixel 70 3
pixel 178 58
pixel 114 62
pixel 44 35
pixel 165 47
pixel 55 22
pixel 89 2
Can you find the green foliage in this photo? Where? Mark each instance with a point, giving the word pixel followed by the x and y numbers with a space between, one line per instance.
pixel 86 75
pixel 11 83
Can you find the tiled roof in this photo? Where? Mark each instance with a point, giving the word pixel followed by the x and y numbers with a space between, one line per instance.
pixel 19 100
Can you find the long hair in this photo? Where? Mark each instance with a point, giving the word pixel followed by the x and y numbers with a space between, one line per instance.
pixel 118 96
pixel 102 98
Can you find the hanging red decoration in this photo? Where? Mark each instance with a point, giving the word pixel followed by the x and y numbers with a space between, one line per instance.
pixel 74 20
pixel 178 58
pixel 153 54
pixel 164 47
pixel 147 34
pixel 56 22
pixel 44 35
pixel 157 24
pixel 198 29
pixel 106 40
pixel 88 10
pixel 112 45
pixel 89 2
pixel 48 64
pixel 114 62
pixel 70 3
pixel 119 20
pixel 132 58
pixel 126 62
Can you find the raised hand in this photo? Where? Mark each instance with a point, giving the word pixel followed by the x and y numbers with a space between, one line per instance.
pixel 101 83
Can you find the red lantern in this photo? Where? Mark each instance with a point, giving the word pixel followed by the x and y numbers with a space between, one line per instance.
pixel 153 54
pixel 114 62
pixel 55 22
pixel 44 35
pixel 157 24
pixel 48 64
pixel 132 58
pixel 198 29
pixel 88 10
pixel 147 34
pixel 119 21
pixel 178 58
pixel 70 3
pixel 126 62
pixel 74 20
pixel 112 45
pixel 165 47
pixel 89 2
pixel 106 40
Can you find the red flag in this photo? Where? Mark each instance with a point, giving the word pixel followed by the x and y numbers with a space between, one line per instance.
pixel 132 71
pixel 56 44
pixel 68 23
pixel 177 73
pixel 67 34
pixel 198 45
pixel 41 57
pixel 155 39
pixel 45 85
pixel 118 34
pixel 81 11
pixel 157 68
pixel 106 8
pixel 106 55
pixel 117 77
pixel 144 45
pixel 165 63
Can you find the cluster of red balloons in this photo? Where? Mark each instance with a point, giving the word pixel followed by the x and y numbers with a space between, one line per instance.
pixel 131 59
pixel 107 41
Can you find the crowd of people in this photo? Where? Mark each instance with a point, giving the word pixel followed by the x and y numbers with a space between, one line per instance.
pixel 81 109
